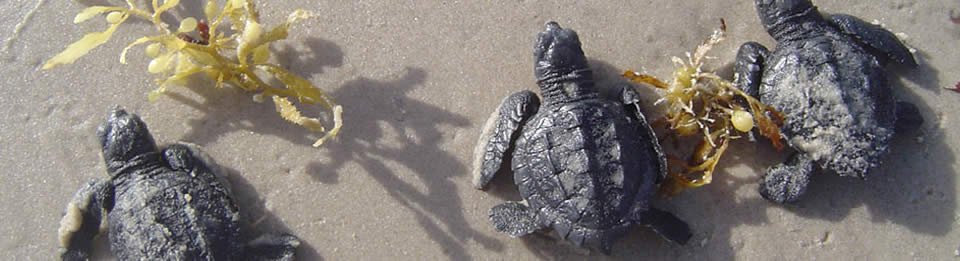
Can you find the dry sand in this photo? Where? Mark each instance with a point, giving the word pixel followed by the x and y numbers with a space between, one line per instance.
pixel 417 82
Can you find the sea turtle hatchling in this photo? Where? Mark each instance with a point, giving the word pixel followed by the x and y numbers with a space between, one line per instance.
pixel 827 76
pixel 159 205
pixel 586 167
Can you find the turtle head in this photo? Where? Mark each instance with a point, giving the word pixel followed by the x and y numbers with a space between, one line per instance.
pixel 557 53
pixel 560 66
pixel 124 137
pixel 774 14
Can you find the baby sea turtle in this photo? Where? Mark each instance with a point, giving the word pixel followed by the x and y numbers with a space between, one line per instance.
pixel 159 205
pixel 586 167
pixel 827 76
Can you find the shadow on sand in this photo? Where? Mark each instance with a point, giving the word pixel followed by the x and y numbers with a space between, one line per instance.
pixel 377 111
pixel 256 220
pixel 383 112
pixel 227 110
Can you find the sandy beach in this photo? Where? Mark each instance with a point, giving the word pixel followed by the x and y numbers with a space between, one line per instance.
pixel 417 82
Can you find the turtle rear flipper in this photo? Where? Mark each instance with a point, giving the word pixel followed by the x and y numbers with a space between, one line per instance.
pixel 83 218
pixel 499 134
pixel 786 182
pixel 271 247
pixel 514 219
pixel 876 37
pixel 666 224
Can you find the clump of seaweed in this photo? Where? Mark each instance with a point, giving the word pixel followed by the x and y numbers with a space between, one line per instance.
pixel 701 102
pixel 199 47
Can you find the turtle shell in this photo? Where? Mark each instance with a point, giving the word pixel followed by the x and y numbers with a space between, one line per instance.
pixel 172 215
pixel 838 105
pixel 584 168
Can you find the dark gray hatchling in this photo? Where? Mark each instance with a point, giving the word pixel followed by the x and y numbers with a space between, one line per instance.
pixel 159 205
pixel 827 76
pixel 586 167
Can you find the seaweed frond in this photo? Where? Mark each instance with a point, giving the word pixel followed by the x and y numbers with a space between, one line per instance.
pixel 702 103
pixel 198 47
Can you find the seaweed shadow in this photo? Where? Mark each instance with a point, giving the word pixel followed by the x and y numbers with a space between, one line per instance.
pixel 313 57
pixel 388 126
pixel 228 110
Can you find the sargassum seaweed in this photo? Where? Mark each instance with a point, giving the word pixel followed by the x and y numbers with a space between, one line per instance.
pixel 702 103
pixel 199 47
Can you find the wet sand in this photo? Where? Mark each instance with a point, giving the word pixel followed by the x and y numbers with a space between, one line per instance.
pixel 417 82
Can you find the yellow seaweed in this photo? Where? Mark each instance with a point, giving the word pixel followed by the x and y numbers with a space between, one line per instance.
pixel 197 48
pixel 80 48
pixel 702 103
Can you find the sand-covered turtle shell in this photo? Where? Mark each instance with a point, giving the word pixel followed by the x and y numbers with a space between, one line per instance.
pixel 838 105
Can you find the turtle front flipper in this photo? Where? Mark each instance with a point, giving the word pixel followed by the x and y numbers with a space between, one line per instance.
pixel 83 218
pixel 786 182
pixel 748 68
pixel 876 37
pixel 666 224
pixel 499 134
pixel 515 219
pixel 279 247
pixel 631 102
pixel 189 158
